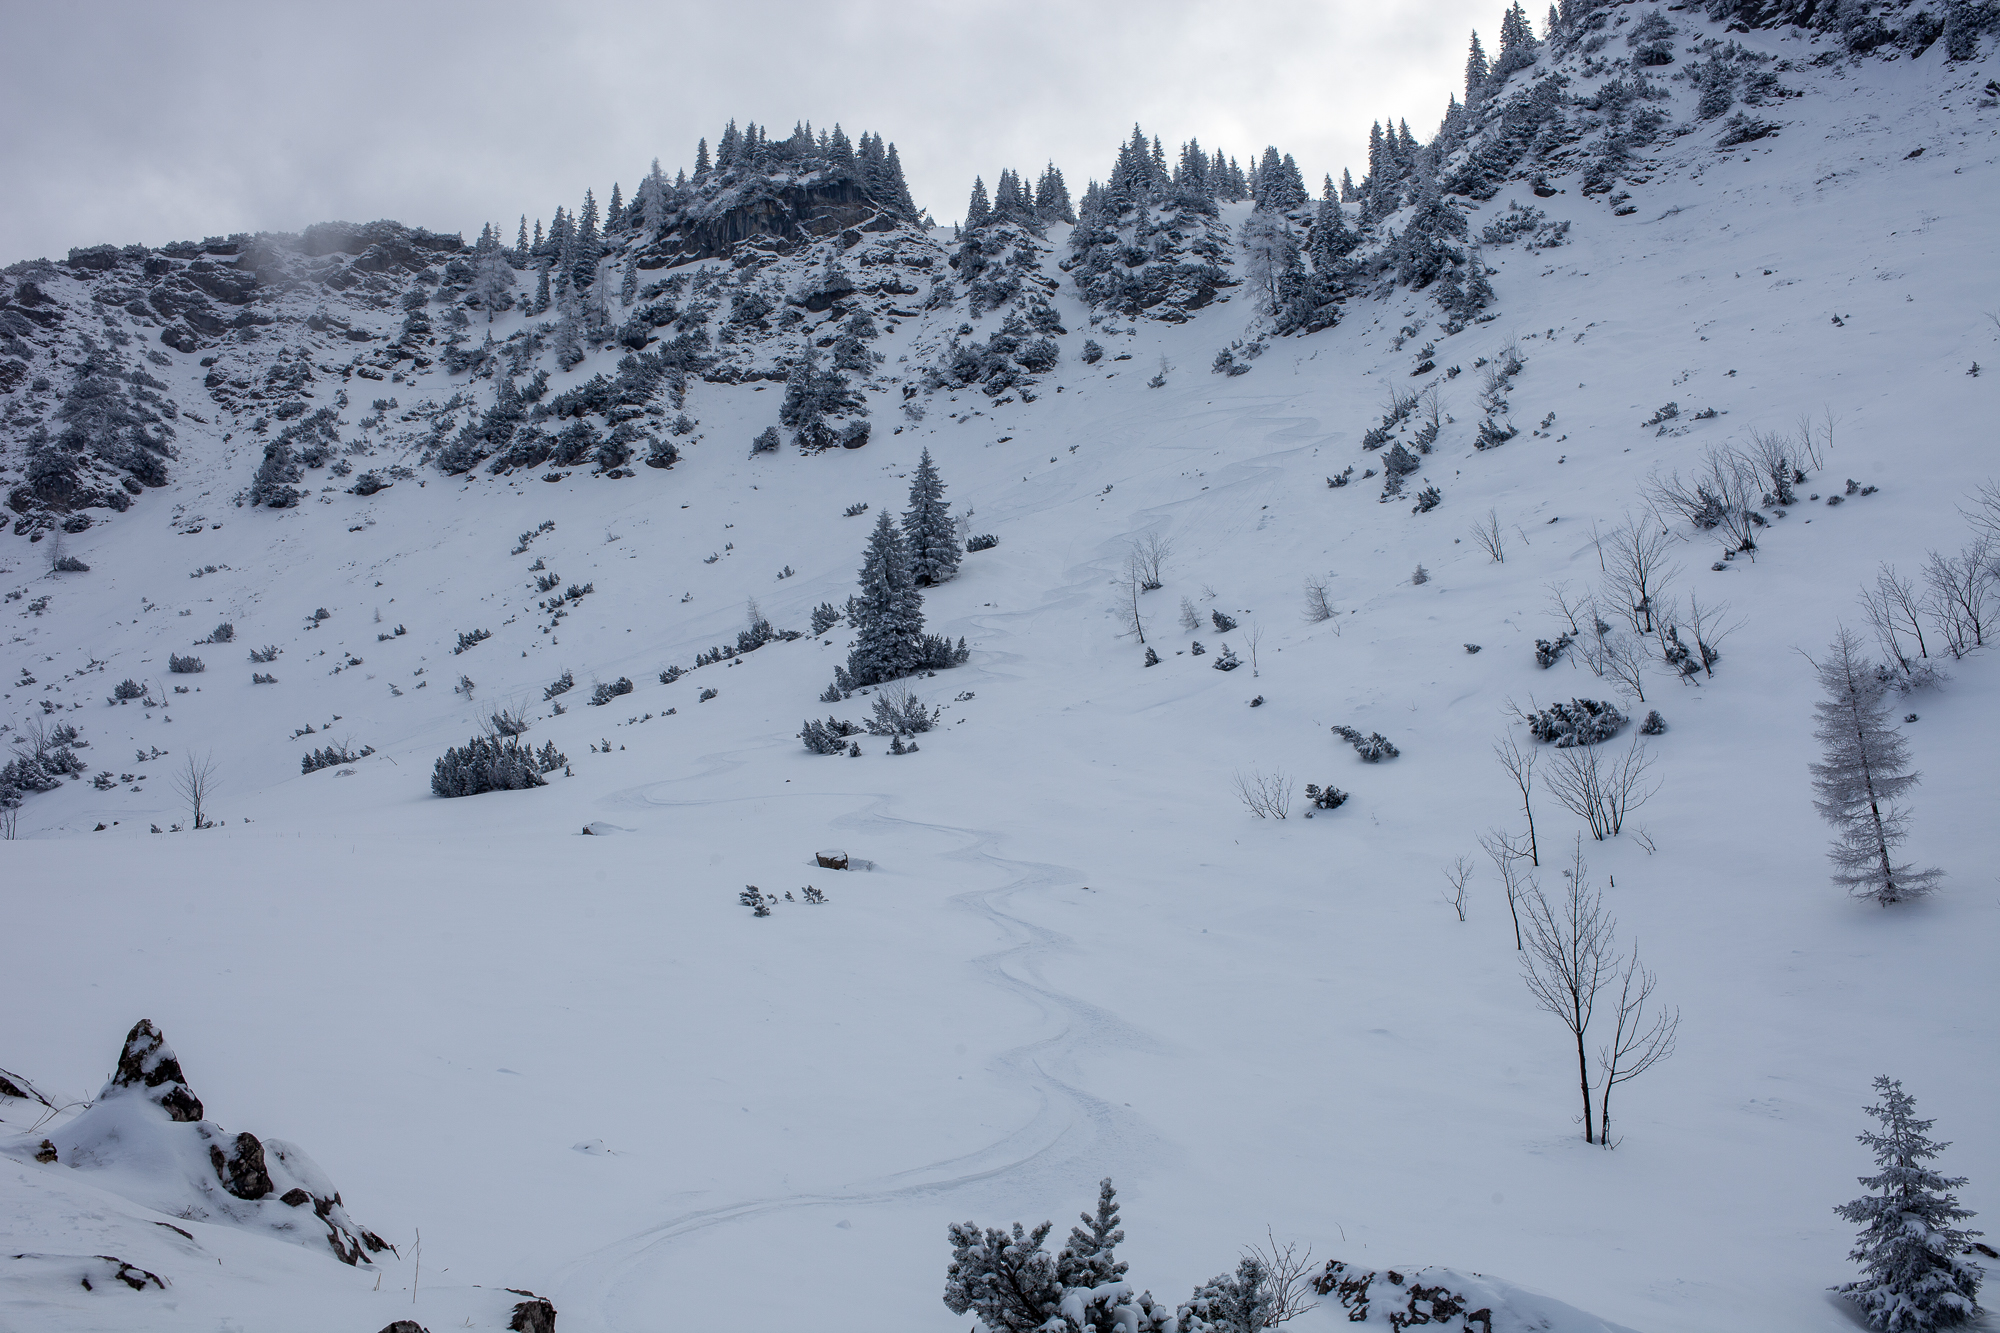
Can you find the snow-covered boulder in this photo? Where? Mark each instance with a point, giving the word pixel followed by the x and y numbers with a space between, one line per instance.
pixel 145 1139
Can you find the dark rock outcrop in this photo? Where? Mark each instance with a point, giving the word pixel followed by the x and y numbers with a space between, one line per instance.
pixel 149 1065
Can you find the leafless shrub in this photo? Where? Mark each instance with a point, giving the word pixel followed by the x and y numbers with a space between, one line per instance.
pixel 1961 595
pixel 1268 795
pixel 1777 460
pixel 1599 790
pixel 1458 874
pixel 1401 403
pixel 1486 533
pixel 1897 612
pixel 1190 618
pixel 1985 512
pixel 1621 659
pixel 1639 1040
pixel 1288 1280
pixel 1150 554
pixel 1710 627
pixel 1319 607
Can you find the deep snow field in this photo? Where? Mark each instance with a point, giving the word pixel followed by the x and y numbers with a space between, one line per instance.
pixel 580 1067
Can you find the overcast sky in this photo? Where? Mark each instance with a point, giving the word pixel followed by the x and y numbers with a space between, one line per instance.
pixel 155 122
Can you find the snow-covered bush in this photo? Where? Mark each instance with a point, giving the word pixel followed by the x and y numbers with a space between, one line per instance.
pixel 1226 660
pixel 899 712
pixel 1328 797
pixel 828 737
pixel 604 691
pixel 132 689
pixel 562 684
pixel 1578 722
pixel 470 638
pixel 223 633
pixel 824 617
pixel 984 541
pixel 1223 623
pixel 1548 652
pixel 267 654
pixel 493 763
pixel 766 442
pixel 1654 724
pixel 184 666
pixel 1373 748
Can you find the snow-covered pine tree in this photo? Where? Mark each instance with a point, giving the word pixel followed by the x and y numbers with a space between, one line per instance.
pixel 520 256
pixel 1052 203
pixel 1517 43
pixel 492 275
pixel 614 212
pixel 1864 767
pixel 895 185
pixel 977 210
pixel 653 199
pixel 701 163
pixel 587 247
pixel 1348 194
pixel 1917 1274
pixel 1476 71
pixel 1008 1282
pixel 928 532
pixel 1089 1259
pixel 887 614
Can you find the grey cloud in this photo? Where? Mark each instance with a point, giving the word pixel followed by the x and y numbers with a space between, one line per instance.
pixel 146 122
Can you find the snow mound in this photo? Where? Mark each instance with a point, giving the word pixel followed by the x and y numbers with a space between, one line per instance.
pixel 144 1139
pixel 1402 1298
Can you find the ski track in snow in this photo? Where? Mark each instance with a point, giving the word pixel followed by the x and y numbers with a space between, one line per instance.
pixel 1072 1134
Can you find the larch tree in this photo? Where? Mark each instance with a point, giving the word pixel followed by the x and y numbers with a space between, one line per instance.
pixel 1864 767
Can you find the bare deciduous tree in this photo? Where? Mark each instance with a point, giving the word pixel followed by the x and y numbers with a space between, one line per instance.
pixel 1268 795
pixel 1568 961
pixel 1190 618
pixel 194 782
pixel 1568 605
pixel 1319 606
pixel 1486 533
pixel 1636 569
pixel 1520 766
pixel 1601 791
pixel 1253 637
pixel 1458 874
pixel 1985 512
pixel 1639 1040
pixel 1897 611
pixel 1507 854
pixel 1961 588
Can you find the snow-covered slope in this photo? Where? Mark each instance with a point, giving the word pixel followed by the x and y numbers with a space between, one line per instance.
pixel 1065 950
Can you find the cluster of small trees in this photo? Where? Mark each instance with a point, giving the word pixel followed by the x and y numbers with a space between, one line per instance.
pixel 1011 1284
pixel 494 763
pixel 887 612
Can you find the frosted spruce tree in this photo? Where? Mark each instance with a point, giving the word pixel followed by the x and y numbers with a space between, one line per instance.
pixel 888 612
pixel 1865 767
pixel 927 527
pixel 1917 1275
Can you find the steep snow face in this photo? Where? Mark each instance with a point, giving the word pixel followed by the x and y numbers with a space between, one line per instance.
pixel 1065 948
